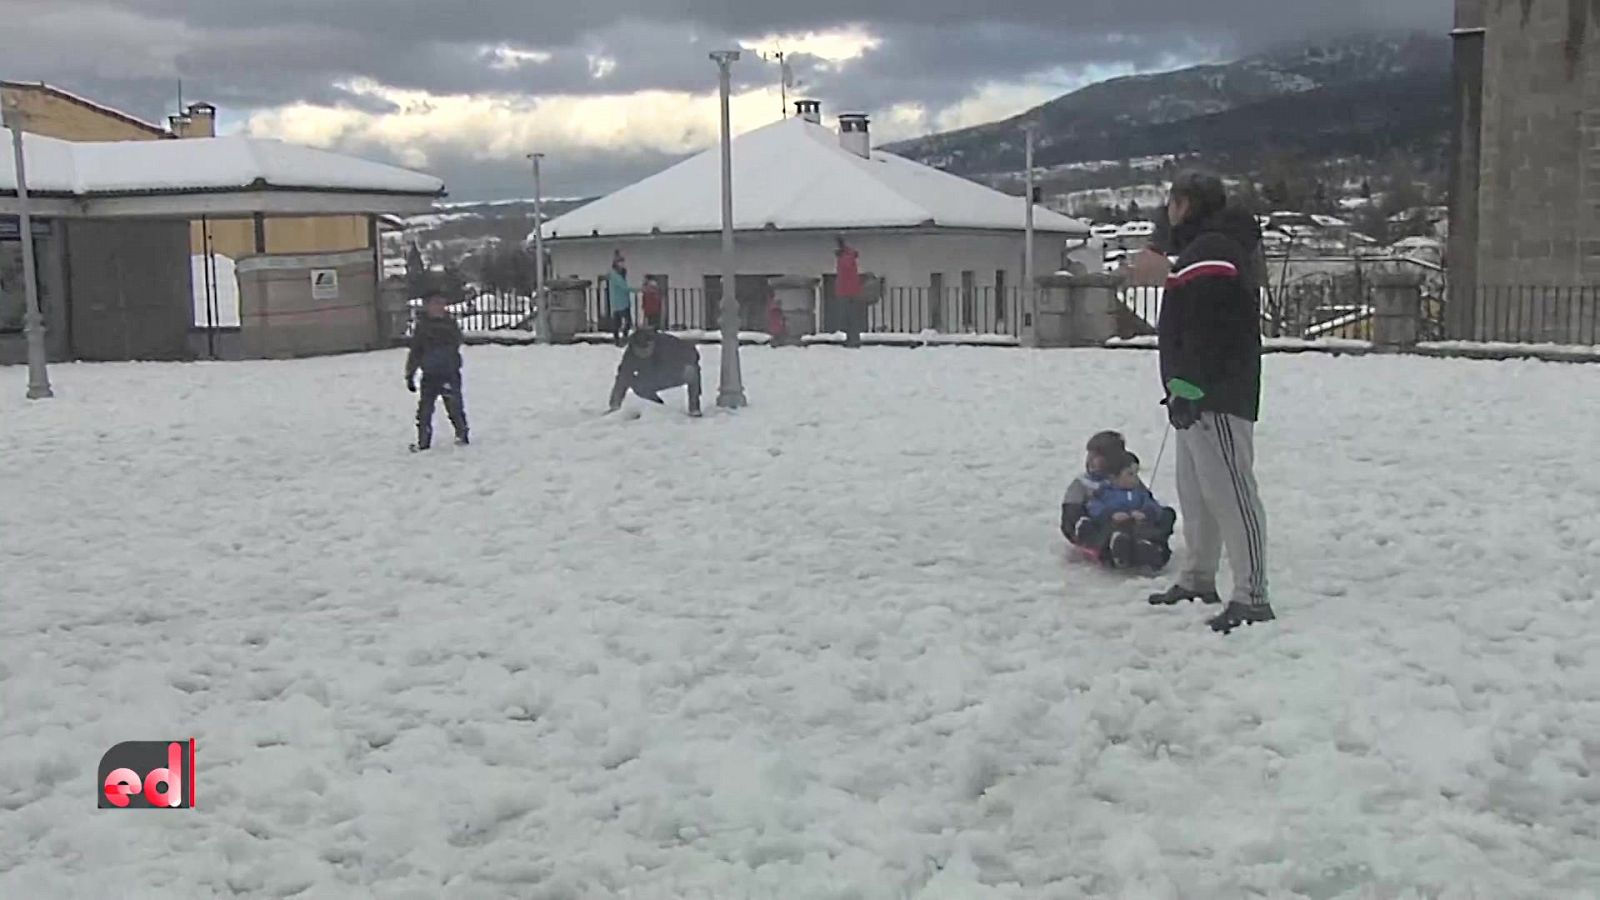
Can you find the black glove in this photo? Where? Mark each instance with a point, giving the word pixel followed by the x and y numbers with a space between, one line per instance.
pixel 411 383
pixel 1182 413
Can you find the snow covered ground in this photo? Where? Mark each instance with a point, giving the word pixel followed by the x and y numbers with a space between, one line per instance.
pixel 827 647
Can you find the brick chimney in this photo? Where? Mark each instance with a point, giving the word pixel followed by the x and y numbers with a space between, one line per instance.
pixel 202 120
pixel 810 110
pixel 854 134
pixel 198 121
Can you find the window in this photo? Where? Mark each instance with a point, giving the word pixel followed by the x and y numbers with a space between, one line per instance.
pixel 936 301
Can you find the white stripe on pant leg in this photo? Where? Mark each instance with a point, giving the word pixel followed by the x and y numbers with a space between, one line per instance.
pixel 1255 509
pixel 1246 512
pixel 1249 506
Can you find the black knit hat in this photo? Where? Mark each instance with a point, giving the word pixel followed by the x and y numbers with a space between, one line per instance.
pixel 1205 192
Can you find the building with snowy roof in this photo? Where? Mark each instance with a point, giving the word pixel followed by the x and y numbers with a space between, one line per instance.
pixel 945 244
pixel 111 237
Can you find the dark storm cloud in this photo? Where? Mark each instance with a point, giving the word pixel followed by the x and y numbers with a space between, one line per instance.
pixel 248 54
pixel 285 50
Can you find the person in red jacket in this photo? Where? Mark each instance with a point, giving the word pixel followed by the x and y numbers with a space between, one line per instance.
pixel 775 323
pixel 847 287
pixel 650 303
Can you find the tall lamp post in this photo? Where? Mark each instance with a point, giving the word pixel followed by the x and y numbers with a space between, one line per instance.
pixel 543 308
pixel 731 393
pixel 38 373
pixel 1030 292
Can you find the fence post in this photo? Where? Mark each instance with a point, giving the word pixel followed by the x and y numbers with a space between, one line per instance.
pixel 1396 309
pixel 796 296
pixel 1076 310
pixel 566 298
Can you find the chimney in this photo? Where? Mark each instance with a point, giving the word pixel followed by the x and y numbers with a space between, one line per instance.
pixel 202 120
pixel 179 125
pixel 810 110
pixel 854 135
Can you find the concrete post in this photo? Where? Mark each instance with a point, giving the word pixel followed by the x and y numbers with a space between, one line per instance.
pixel 1396 309
pixel 565 297
pixel 796 295
pixel 1077 310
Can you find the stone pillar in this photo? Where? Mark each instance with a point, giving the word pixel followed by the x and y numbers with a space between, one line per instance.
pixel 1396 309
pixel 1077 310
pixel 566 297
pixel 797 298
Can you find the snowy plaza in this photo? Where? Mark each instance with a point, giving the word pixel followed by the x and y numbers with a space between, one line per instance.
pixel 829 646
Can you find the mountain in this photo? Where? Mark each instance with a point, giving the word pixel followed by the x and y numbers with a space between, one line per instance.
pixel 1368 97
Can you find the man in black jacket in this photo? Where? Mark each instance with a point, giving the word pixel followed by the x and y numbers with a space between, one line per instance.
pixel 1210 339
pixel 655 362
pixel 436 350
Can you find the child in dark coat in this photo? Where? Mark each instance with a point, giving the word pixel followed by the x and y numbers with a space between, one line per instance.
pixel 1139 528
pixel 436 351
pixel 1103 449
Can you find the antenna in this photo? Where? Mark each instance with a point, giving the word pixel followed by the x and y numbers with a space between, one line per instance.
pixel 180 96
pixel 783 84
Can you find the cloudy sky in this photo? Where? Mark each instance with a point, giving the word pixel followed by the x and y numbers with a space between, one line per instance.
pixel 611 90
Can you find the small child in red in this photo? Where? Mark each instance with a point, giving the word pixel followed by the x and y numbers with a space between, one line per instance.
pixel 775 324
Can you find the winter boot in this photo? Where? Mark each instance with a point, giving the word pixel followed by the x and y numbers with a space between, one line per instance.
pixel 462 440
pixel 1124 550
pixel 1237 614
pixel 1079 527
pixel 1176 594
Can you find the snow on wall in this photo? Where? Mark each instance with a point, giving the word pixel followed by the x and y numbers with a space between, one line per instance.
pixel 225 313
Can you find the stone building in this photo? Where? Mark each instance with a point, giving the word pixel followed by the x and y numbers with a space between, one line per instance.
pixel 52 112
pixel 1524 245
pixel 947 253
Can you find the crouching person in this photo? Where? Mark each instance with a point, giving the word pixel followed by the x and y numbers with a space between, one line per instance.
pixel 436 351
pixel 655 362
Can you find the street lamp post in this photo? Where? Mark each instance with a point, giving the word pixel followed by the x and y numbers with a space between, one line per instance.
pixel 38 372
pixel 730 394
pixel 1030 293
pixel 542 307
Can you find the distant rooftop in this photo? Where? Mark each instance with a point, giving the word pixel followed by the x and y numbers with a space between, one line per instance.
pixel 52 90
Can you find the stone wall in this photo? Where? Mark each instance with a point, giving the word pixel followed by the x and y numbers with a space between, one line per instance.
pixel 1539 163
pixel 282 314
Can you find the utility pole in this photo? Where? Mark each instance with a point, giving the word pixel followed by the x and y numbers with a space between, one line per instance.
pixel 731 393
pixel 542 307
pixel 38 372
pixel 1030 289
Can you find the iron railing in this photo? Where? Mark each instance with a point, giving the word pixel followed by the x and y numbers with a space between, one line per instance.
pixel 1520 314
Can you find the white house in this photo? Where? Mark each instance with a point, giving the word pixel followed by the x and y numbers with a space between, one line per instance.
pixel 948 251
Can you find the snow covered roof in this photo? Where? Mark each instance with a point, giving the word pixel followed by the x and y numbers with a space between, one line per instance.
pixel 792 175
pixel 121 168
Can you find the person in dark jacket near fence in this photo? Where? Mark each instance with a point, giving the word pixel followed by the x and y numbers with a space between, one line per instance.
pixel 655 362
pixel 1210 347
pixel 436 351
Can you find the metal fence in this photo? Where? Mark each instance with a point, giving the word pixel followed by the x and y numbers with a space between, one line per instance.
pixel 1522 314
pixel 1311 310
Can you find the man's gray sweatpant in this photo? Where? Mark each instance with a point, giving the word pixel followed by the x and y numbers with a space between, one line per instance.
pixel 1221 506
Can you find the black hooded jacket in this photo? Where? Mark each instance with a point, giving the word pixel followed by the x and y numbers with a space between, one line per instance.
pixel 1210 324
pixel 435 347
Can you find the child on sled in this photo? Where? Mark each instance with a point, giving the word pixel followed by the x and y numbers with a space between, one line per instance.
pixel 1111 516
